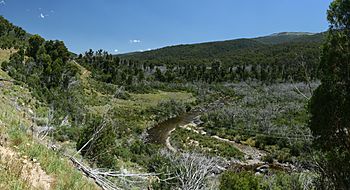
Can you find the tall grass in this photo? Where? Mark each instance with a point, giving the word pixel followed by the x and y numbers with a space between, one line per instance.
pixel 14 124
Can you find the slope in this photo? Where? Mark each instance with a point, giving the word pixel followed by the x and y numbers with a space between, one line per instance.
pixel 246 51
pixel 287 37
pixel 25 162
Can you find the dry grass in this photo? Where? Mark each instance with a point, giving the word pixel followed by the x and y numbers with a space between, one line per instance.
pixel 10 176
pixel 16 108
pixel 5 54
pixel 27 171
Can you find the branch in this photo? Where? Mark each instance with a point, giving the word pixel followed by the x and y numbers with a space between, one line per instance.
pixel 103 182
pixel 92 138
pixel 299 92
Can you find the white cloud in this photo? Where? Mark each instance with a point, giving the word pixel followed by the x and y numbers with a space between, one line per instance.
pixel 2 2
pixel 116 50
pixel 42 15
pixel 135 41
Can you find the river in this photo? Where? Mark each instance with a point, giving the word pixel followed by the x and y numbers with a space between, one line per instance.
pixel 253 156
pixel 160 132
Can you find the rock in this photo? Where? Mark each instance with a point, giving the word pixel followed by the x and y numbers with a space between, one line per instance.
pixel 262 169
pixel 258 174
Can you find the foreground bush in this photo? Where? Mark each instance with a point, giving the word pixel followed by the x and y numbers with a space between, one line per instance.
pixel 276 181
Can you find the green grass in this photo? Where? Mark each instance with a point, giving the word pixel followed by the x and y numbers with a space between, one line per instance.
pixel 131 116
pixel 66 177
pixel 127 113
pixel 132 110
pixel 101 101
pixel 185 139
pixel 15 102
pixel 139 101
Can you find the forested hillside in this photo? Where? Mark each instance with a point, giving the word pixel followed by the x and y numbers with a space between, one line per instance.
pixel 275 58
pixel 220 115
pixel 26 162
pixel 69 107
pixel 276 48
pixel 11 36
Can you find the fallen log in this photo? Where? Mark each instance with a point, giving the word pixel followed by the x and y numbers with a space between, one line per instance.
pixel 100 176
pixel 103 182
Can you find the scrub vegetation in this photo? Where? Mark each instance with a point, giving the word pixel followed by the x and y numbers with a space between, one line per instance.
pixel 262 113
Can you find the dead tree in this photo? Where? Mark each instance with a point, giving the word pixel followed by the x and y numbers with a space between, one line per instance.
pixel 192 170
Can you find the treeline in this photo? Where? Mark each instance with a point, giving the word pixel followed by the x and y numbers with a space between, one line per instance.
pixel 250 51
pixel 218 72
pixel 11 36
pixel 44 66
pixel 269 59
pixel 231 61
pixel 112 69
pixel 268 64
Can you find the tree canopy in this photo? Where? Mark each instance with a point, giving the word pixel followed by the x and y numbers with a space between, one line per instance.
pixel 330 105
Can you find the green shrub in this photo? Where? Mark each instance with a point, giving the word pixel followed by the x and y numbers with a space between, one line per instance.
pixel 99 135
pixel 241 181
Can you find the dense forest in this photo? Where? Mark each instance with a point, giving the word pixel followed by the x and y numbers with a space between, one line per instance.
pixel 262 113
pixel 278 58
pixel 271 55
pixel 293 59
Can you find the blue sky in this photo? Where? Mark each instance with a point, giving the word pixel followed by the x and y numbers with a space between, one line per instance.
pixel 132 25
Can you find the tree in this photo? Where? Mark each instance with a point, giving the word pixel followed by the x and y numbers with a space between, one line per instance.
pixel 129 80
pixel 19 32
pixel 187 171
pixel 141 76
pixel 330 105
pixel 34 44
pixel 158 75
pixel 56 49
pixel 97 141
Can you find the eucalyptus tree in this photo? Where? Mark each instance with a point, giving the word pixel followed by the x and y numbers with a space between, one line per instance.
pixel 330 105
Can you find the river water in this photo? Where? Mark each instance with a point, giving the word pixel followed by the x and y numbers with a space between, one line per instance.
pixel 160 132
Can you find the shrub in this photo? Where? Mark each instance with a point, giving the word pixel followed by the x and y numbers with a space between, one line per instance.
pixel 99 136
pixel 240 181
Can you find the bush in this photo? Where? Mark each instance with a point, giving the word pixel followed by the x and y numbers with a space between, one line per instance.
pixel 166 109
pixel 240 181
pixel 65 133
pixel 99 135
pixel 268 158
pixel 276 181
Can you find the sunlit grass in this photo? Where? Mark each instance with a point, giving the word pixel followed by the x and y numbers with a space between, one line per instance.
pixel 14 123
pixel 5 54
